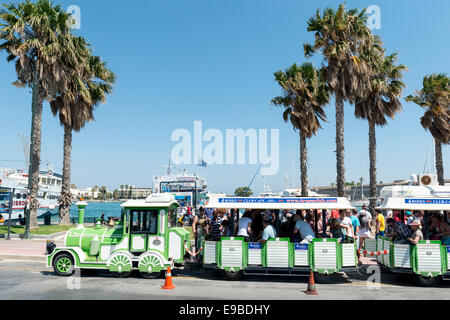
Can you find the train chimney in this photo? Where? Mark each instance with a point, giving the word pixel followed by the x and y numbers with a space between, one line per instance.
pixel 81 206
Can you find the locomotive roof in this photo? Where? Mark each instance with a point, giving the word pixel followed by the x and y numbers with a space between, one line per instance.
pixel 157 200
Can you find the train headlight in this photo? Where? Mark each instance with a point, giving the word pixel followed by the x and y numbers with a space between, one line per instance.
pixel 50 247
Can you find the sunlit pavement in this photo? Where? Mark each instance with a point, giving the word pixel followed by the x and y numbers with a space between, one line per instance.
pixel 32 280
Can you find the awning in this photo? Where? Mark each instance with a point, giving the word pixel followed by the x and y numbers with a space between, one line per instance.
pixel 262 203
pixel 425 204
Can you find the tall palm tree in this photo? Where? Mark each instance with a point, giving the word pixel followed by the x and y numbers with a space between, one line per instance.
pixel 339 36
pixel 89 81
pixel 304 96
pixel 380 101
pixel 435 99
pixel 33 35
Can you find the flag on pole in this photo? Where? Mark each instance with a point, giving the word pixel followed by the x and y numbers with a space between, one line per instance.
pixel 202 163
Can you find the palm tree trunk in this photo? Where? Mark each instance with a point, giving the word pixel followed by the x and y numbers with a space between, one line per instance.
pixel 65 200
pixel 35 155
pixel 340 149
pixel 304 165
pixel 373 164
pixel 439 162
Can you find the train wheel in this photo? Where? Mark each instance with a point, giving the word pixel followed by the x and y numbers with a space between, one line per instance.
pixel 150 265
pixel 426 281
pixel 64 265
pixel 120 264
pixel 233 276
pixel 325 278
pixel 122 274
pixel 151 275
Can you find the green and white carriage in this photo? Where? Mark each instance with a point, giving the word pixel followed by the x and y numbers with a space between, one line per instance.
pixel 428 261
pixel 280 256
pixel 145 239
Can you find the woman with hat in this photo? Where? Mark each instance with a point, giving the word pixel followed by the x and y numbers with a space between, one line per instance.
pixel 408 214
pixel 416 227
pixel 440 230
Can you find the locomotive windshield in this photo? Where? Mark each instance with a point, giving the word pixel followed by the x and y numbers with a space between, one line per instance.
pixel 144 221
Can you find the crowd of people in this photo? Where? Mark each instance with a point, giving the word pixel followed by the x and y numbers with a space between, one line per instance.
pixel 262 225
pixel 411 229
pixel 348 226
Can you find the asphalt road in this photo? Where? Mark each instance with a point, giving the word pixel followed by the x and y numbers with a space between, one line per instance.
pixel 32 280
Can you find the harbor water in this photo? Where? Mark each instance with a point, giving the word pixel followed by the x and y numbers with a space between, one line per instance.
pixel 95 210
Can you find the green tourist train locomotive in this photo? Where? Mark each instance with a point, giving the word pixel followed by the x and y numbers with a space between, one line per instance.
pixel 145 239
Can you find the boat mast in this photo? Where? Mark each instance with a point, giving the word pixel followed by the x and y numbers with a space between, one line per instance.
pixel 26 150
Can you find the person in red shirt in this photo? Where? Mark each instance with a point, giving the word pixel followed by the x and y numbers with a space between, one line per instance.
pixel 397 216
pixel 335 214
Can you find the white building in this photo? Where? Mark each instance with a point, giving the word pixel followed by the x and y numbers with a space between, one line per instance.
pixel 85 193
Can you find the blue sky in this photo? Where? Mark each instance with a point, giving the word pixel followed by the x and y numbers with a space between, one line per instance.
pixel 181 61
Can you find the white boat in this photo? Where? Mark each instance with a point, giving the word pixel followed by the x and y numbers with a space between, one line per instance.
pixel 298 193
pixel 415 192
pixel 48 194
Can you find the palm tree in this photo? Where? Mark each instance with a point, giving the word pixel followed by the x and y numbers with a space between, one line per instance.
pixel 103 192
pixel 89 83
pixel 435 99
pixel 381 100
pixel 304 95
pixel 339 36
pixel 33 36
pixel 243 192
pixel 130 192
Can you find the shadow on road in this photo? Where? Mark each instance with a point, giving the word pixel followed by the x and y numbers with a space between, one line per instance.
pixel 196 272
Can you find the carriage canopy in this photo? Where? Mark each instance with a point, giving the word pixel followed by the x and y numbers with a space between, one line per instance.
pixel 279 203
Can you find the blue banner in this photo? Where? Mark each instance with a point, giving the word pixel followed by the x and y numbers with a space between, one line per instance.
pixel 254 246
pixel 278 200
pixel 427 201
pixel 301 247
pixel 448 249
pixel 5 197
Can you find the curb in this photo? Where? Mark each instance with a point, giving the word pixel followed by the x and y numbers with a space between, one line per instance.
pixel 58 234
pixel 36 237
pixel 22 257
pixel 22 237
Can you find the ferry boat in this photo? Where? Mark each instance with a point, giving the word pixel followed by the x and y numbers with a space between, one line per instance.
pixel 188 189
pixel 48 194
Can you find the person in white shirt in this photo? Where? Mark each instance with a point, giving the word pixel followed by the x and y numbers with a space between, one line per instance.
pixel 305 231
pixel 244 227
pixel 365 218
pixel 346 224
